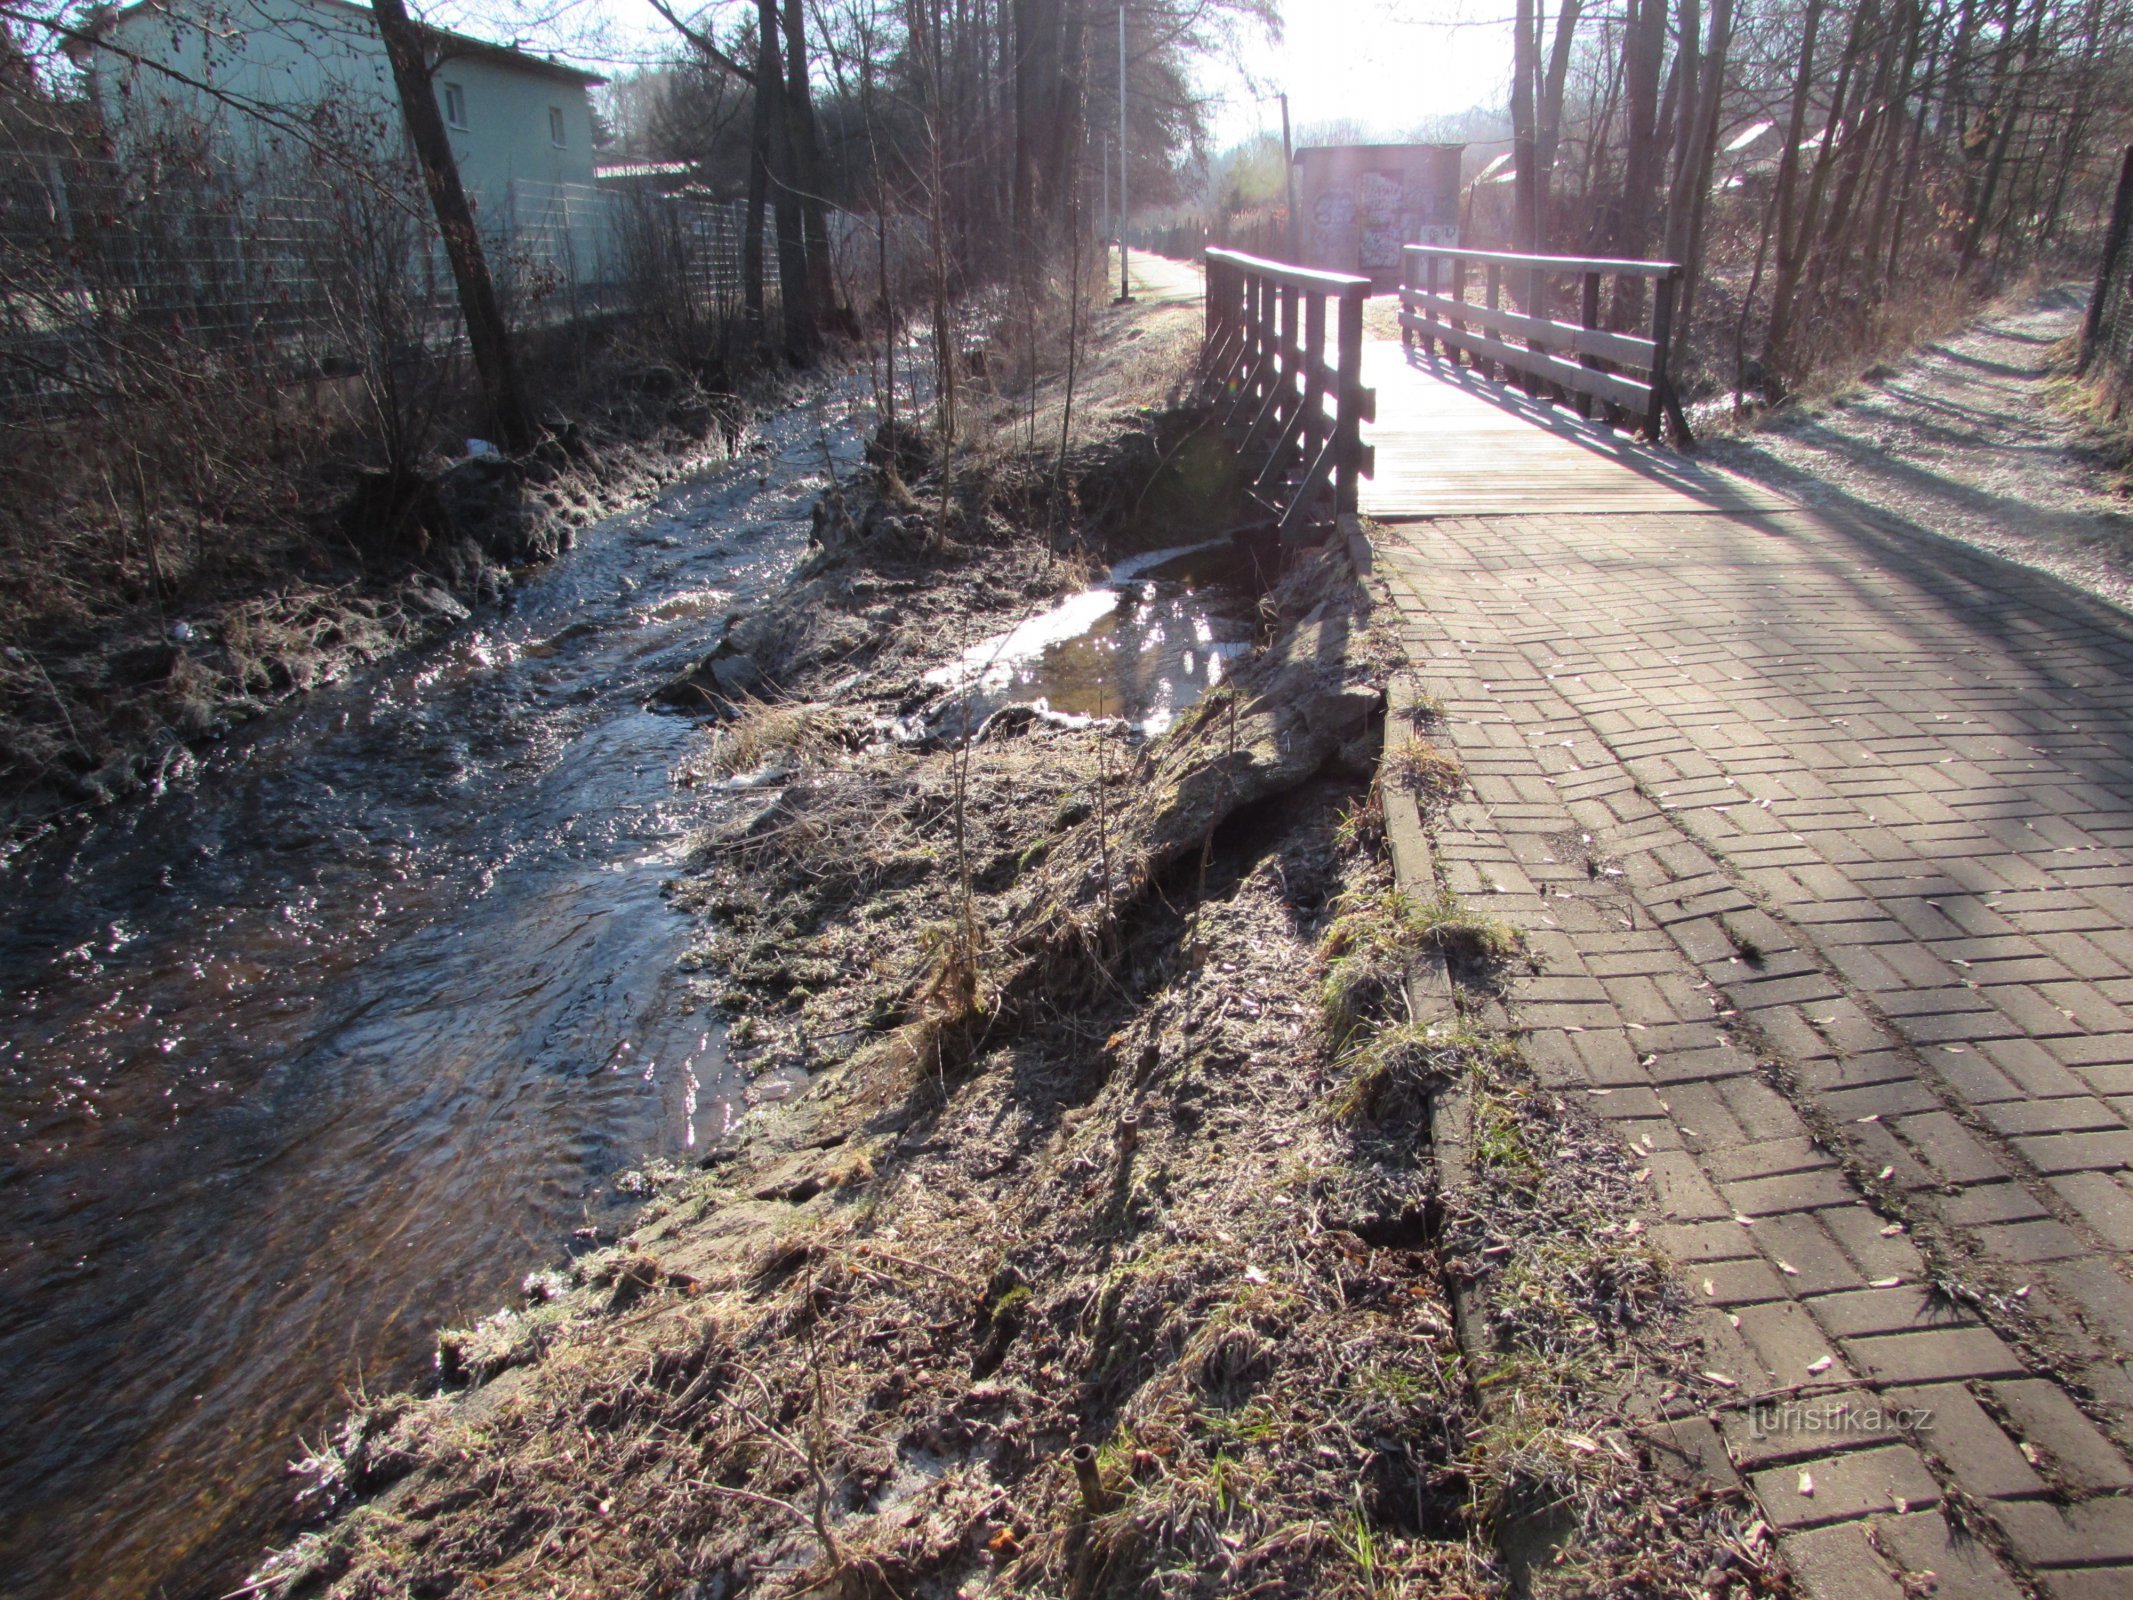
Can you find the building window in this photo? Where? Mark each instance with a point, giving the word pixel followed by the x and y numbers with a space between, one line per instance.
pixel 555 126
pixel 455 105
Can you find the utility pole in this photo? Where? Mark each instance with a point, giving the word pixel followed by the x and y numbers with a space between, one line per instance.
pixel 1125 211
pixel 1107 187
pixel 1288 174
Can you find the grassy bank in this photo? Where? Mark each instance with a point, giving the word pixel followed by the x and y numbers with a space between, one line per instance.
pixel 176 564
pixel 1104 1250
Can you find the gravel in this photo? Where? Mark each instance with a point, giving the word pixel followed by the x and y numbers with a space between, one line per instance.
pixel 1966 440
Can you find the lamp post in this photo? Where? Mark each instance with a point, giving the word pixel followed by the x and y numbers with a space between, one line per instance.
pixel 1288 172
pixel 1125 211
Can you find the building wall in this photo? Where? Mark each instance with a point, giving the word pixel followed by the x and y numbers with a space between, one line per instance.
pixel 1360 203
pixel 298 55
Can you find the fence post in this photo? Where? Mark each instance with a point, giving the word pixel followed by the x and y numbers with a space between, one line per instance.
pixel 1347 427
pixel 2114 243
pixel 1285 405
pixel 1495 282
pixel 1589 316
pixel 1662 336
pixel 1314 398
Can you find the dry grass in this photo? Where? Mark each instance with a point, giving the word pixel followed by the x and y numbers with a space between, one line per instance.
pixel 769 736
pixel 1424 771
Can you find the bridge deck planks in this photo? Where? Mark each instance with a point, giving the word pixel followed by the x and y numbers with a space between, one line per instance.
pixel 1450 444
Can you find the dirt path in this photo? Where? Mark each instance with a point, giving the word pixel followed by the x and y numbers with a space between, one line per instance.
pixel 1821 829
pixel 1963 440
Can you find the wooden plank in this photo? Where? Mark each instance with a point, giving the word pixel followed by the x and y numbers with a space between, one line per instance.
pixel 1619 269
pixel 1625 392
pixel 1449 443
pixel 1280 272
pixel 1624 347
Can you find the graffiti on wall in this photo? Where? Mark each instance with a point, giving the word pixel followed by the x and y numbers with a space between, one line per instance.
pixel 1360 219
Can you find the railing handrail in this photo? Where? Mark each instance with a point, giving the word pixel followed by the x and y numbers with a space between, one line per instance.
pixel 1267 348
pixel 1504 258
pixel 1586 361
pixel 1292 277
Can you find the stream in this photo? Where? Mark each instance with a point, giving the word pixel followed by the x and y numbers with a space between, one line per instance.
pixel 329 1045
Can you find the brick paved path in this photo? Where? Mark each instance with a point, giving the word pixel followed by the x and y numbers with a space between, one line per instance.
pixel 1822 834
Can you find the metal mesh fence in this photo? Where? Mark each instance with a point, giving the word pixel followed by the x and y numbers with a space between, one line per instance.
pixel 105 264
pixel 2107 336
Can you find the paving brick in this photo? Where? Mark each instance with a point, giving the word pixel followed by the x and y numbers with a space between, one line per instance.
pixel 1766 1158
pixel 1984 1460
pixel 2069 1114
pixel 1946 1146
pixel 2088 1534
pixel 1798 1191
pixel 1875 1253
pixel 1944 1354
pixel 2026 1244
pixel 2041 1413
pixel 1903 1308
pixel 1838 1488
pixel 1683 1193
pixel 2073 1152
pixel 1961 1567
pixel 2104 1203
pixel 2088 1583
pixel 1805 1254
pixel 1839 1563
pixel 1791 1344
pixel 1803 1427
pixel 1992 1202
pixel 1703 1241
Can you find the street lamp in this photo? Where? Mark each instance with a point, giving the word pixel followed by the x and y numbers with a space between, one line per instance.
pixel 1125 292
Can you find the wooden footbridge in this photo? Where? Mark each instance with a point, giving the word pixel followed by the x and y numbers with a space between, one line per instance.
pixel 1487 402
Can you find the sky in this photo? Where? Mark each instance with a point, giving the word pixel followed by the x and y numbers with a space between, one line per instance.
pixel 1385 63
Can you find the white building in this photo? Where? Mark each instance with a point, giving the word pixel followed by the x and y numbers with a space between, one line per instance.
pixel 520 124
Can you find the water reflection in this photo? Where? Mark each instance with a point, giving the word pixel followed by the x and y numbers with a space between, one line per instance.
pixel 1142 645
pixel 328 1046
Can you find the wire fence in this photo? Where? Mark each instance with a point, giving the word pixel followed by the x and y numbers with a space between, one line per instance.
pixel 105 265
pixel 2107 335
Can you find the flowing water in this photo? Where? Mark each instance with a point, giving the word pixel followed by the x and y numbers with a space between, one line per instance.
pixel 330 1045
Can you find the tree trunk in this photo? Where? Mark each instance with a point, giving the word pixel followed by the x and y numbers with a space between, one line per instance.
pixel 796 310
pixel 762 113
pixel 1643 47
pixel 1780 330
pixel 806 147
pixel 1551 99
pixel 487 337
pixel 1692 181
pixel 1524 145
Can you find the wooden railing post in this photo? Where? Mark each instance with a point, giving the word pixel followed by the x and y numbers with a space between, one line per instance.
pixel 1662 337
pixel 1589 316
pixel 1495 277
pixel 1458 294
pixel 1407 282
pixel 1314 397
pixel 1304 411
pixel 1347 426
pixel 1515 336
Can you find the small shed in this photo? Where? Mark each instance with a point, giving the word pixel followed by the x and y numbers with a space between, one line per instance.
pixel 1359 203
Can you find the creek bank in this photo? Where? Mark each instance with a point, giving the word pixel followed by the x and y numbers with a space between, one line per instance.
pixel 353 566
pixel 1080 1239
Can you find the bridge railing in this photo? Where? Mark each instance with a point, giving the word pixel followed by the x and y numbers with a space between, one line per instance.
pixel 1615 370
pixel 1266 355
